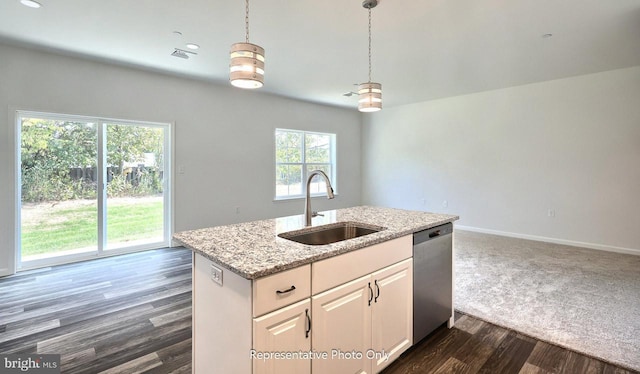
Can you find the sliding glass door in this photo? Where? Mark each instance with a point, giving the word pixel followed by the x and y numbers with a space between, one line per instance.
pixel 59 209
pixel 90 187
pixel 135 194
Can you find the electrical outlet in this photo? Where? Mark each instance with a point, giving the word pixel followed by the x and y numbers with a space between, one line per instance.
pixel 216 275
pixel 551 213
pixel 445 204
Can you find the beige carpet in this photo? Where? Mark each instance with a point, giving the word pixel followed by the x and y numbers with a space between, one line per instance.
pixel 581 299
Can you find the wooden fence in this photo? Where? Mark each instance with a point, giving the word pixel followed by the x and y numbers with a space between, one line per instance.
pixel 132 175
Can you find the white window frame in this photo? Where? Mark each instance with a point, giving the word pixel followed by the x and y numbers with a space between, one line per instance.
pixel 101 123
pixel 304 164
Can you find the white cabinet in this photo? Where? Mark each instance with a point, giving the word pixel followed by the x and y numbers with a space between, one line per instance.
pixel 226 327
pixel 350 307
pixel 392 312
pixel 342 328
pixel 334 271
pixel 364 324
pixel 281 289
pixel 285 330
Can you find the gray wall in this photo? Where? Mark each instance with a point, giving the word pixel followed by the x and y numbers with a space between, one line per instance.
pixel 501 159
pixel 223 136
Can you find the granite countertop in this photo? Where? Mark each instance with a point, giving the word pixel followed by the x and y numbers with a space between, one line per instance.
pixel 253 249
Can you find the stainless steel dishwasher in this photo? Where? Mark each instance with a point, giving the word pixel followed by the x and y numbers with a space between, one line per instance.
pixel 432 279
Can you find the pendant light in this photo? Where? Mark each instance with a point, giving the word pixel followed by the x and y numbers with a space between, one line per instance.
pixel 246 69
pixel 370 93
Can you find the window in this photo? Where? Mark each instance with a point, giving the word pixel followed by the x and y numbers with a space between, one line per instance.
pixel 297 154
pixel 90 187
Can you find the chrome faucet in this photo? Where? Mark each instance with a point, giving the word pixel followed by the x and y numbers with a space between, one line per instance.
pixel 308 213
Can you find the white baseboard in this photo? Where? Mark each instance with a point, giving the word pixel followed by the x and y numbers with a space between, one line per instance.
pixel 600 247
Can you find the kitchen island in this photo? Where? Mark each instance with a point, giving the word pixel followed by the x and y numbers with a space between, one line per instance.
pixel 263 303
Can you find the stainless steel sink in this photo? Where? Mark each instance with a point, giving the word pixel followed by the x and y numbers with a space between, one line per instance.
pixel 332 233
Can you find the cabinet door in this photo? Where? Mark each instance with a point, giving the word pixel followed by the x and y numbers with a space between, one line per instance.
pixel 392 312
pixel 342 328
pixel 284 330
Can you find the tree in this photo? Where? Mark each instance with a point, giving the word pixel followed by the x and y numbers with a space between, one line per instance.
pixel 128 144
pixel 49 149
pixel 52 149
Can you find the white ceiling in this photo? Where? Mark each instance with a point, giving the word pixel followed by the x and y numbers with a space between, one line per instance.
pixel 317 50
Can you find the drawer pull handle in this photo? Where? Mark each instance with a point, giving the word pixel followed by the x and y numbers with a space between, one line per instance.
pixel 377 291
pixel 286 291
pixel 308 330
pixel 370 293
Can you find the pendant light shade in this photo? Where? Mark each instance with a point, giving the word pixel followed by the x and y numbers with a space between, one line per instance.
pixel 369 97
pixel 246 69
pixel 370 93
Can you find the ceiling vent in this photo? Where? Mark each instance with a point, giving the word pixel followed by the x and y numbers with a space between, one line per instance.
pixel 182 53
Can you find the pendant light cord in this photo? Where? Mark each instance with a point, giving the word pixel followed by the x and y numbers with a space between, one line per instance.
pixel 369 44
pixel 246 20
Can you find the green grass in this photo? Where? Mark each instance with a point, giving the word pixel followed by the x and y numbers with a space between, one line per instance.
pixel 58 230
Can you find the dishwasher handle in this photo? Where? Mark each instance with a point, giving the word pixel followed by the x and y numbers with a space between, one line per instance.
pixel 432 233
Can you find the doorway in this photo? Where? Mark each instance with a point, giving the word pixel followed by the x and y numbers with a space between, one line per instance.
pixel 90 187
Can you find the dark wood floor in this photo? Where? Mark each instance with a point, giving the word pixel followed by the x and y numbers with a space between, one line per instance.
pixel 132 314
pixel 121 314
pixel 475 346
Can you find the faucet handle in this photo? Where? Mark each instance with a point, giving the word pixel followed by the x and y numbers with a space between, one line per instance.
pixel 315 214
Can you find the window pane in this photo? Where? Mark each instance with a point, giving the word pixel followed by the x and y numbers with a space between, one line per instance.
pixel 59 177
pixel 317 183
pixel 135 201
pixel 288 180
pixel 288 146
pixel 297 154
pixel 318 148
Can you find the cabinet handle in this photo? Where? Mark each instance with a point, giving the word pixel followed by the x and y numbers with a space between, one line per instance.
pixel 377 291
pixel 286 291
pixel 308 330
pixel 370 294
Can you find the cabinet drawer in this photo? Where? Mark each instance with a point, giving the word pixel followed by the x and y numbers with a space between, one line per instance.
pixel 341 269
pixel 281 289
pixel 286 330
